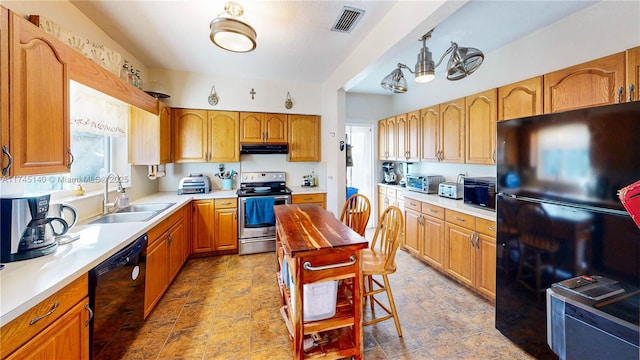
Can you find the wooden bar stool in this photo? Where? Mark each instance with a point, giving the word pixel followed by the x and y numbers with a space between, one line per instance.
pixel 379 260
pixel 355 213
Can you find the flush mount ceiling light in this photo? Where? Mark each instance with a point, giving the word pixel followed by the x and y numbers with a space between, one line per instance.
pixel 230 32
pixel 463 62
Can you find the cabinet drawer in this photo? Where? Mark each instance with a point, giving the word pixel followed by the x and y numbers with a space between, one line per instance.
pixel 19 331
pixel 399 195
pixel 391 192
pixel 226 203
pixel 433 210
pixel 155 232
pixel 307 198
pixel 461 219
pixel 486 227
pixel 413 205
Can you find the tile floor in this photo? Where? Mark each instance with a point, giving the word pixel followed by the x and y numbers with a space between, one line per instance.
pixel 227 308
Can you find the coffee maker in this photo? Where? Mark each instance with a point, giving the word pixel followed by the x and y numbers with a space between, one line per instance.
pixel 389 173
pixel 26 230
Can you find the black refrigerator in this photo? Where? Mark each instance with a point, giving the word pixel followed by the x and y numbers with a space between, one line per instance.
pixel 559 215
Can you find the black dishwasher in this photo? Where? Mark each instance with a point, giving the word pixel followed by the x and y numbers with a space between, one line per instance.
pixel 116 294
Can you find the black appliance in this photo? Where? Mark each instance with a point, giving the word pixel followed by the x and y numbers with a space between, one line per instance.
pixel 27 232
pixel 479 192
pixel 558 176
pixel 264 148
pixel 116 295
pixel 256 190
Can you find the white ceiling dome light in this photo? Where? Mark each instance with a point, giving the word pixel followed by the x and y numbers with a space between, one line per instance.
pixel 231 32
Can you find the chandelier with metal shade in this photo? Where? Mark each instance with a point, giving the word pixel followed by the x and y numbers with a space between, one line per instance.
pixel 229 31
pixel 462 63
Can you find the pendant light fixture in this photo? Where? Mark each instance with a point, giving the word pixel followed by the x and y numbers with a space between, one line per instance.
pixel 230 32
pixel 463 62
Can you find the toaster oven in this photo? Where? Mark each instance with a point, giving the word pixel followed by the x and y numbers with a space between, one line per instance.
pixel 427 184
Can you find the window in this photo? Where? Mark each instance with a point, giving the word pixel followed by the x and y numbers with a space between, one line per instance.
pixel 98 143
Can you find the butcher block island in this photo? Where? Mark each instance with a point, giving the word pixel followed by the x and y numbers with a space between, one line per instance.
pixel 320 280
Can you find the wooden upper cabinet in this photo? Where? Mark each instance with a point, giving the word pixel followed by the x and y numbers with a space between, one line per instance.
pixel 39 138
pixel 430 133
pixel 589 84
pixel 150 136
pixel 4 90
pixel 480 123
pixel 401 137
pixel 263 128
pixel 190 135
pixel 382 139
pixel 520 99
pixel 452 115
pixel 633 74
pixel 408 129
pixel 224 143
pixel 304 138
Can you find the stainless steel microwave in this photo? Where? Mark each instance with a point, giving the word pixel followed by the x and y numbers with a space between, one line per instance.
pixel 480 192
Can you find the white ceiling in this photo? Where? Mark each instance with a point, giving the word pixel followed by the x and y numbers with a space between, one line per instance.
pixel 295 42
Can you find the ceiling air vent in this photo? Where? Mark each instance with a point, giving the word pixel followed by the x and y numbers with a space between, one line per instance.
pixel 347 19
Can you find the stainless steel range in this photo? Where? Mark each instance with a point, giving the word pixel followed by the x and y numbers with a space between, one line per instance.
pixel 258 193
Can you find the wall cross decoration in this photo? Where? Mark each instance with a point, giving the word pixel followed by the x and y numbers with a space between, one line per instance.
pixel 253 93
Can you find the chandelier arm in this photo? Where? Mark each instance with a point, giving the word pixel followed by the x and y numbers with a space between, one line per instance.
pixel 403 66
pixel 452 48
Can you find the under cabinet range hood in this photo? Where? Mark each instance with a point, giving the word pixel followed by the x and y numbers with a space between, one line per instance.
pixel 264 148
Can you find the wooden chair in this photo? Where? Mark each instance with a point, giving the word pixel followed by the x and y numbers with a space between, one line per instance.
pixel 379 260
pixel 355 213
pixel 538 248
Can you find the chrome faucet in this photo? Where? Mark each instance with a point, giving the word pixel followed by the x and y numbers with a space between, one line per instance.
pixel 119 188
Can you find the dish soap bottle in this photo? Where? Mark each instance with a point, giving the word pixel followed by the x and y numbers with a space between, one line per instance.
pixel 312 180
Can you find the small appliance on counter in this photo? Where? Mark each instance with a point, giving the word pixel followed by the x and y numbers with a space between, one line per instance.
pixel 389 173
pixel 194 184
pixel 26 230
pixel 480 192
pixel 452 190
pixel 427 184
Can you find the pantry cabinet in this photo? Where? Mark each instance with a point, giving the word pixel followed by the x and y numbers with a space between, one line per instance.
pixel 592 83
pixel 304 138
pixel 480 123
pixel 214 225
pixel 520 99
pixel 205 136
pixel 38 100
pixel 56 328
pixel 150 136
pixel 263 128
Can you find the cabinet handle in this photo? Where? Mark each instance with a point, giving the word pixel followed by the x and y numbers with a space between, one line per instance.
pixel 86 306
pixel 227 203
pixel 170 239
pixel 307 264
pixel 433 210
pixel 308 198
pixel 5 150
pixel 38 318
pixel 493 156
pixel 620 91
pixel 471 238
pixel 71 160
pixel 477 241
pixel 491 228
pixel 631 88
pixel 459 219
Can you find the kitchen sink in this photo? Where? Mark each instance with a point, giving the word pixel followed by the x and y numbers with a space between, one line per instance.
pixel 121 217
pixel 158 207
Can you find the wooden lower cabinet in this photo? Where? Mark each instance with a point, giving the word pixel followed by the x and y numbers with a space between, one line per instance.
pixel 320 199
pixel 460 253
pixel 62 331
pixel 486 257
pixel 433 240
pixel 214 225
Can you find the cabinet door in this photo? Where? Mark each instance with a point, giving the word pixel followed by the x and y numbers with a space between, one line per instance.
pixel 452 131
pixel 430 133
pixel 275 127
pixel 433 241
pixel 66 338
pixel 486 265
pixel 459 253
pixel 225 139
pixel 157 275
pixel 480 124
pixel 589 84
pixel 39 100
pixel 412 136
pixel 401 141
pixel 186 218
pixel 382 140
pixel 304 138
pixel 633 74
pixel 202 226
pixel 392 138
pixel 226 226
pixel 190 135
pixel 4 89
pixel 150 136
pixel 175 242
pixel 166 145
pixel 520 99
pixel 413 231
pixel 252 127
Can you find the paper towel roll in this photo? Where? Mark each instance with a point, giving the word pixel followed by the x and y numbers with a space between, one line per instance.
pixel 152 172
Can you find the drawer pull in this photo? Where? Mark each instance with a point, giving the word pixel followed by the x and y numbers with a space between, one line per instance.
pixel 459 218
pixel 86 306
pixel 433 211
pixel 36 319
pixel 307 265
pixel 308 198
pixel 226 203
pixel 491 228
